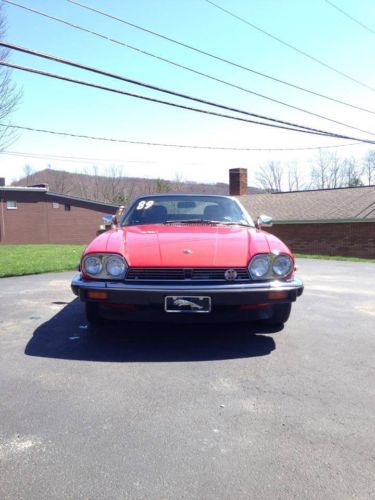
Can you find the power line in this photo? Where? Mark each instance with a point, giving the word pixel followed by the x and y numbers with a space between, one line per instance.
pixel 168 103
pixel 191 70
pixel 350 17
pixel 160 89
pixel 290 46
pixel 168 145
pixel 190 47
pixel 42 156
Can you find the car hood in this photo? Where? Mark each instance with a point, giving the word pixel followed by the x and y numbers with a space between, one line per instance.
pixel 187 245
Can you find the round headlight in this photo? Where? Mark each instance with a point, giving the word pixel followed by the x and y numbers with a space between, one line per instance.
pixel 115 266
pixel 282 265
pixel 259 266
pixel 92 265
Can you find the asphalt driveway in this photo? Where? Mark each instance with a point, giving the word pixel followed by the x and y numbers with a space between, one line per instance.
pixel 174 412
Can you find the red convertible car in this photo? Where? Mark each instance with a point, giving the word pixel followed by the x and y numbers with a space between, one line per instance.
pixel 185 258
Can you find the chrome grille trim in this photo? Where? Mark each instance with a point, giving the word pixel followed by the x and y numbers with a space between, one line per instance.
pixel 181 274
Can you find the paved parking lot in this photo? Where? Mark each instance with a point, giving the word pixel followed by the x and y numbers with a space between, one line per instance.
pixel 155 411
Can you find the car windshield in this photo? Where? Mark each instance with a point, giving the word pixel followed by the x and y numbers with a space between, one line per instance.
pixel 180 209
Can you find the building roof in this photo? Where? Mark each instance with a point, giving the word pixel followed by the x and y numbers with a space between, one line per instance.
pixel 86 200
pixel 33 189
pixel 325 205
pixel 24 188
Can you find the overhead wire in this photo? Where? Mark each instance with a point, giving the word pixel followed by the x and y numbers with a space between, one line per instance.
pixel 64 158
pixel 168 145
pixel 168 103
pixel 289 45
pixel 175 105
pixel 207 76
pixel 350 17
pixel 190 47
pixel 227 61
pixel 159 89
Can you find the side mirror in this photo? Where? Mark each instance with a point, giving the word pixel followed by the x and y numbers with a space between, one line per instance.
pixel 263 221
pixel 110 220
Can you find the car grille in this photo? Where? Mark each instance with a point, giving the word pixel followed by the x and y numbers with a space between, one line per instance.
pixel 180 274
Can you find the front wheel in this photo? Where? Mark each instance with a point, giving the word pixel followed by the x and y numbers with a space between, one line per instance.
pixel 280 314
pixel 93 314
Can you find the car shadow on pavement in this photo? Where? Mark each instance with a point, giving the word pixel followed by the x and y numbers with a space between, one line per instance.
pixel 67 336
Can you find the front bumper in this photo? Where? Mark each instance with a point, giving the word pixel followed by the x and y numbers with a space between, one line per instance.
pixel 221 294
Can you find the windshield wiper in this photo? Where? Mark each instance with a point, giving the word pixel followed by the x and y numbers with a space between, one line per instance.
pixel 189 221
pixel 233 223
pixel 206 221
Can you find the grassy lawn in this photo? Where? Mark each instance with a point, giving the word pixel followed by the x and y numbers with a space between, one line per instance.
pixel 16 260
pixel 332 257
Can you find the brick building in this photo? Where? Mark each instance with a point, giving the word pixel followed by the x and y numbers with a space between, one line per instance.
pixel 36 215
pixel 327 221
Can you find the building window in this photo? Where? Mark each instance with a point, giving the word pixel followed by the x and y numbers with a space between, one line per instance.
pixel 55 205
pixel 12 205
pixel 67 208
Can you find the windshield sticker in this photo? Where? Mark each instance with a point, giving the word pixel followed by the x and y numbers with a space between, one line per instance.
pixel 144 205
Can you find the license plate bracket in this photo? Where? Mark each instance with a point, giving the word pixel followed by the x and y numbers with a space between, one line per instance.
pixel 190 304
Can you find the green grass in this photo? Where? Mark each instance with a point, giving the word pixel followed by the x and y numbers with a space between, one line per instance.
pixel 17 260
pixel 333 257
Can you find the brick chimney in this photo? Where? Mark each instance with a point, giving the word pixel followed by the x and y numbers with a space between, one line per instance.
pixel 2 181
pixel 238 181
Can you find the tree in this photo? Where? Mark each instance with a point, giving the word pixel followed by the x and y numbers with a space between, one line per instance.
pixel 352 173
pixel 178 183
pixel 9 95
pixel 162 186
pixel 328 171
pixel 369 167
pixel 28 171
pixel 320 171
pixel 295 180
pixel 113 184
pixel 61 182
pixel 336 173
pixel 270 176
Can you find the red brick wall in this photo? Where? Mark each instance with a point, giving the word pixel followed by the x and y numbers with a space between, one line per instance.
pixel 79 225
pixel 36 221
pixel 346 239
pixel 27 223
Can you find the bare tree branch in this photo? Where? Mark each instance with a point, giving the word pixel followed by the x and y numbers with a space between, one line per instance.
pixel 9 95
pixel 270 176
pixel 352 173
pixel 369 168
pixel 295 178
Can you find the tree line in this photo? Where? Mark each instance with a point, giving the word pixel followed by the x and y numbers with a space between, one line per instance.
pixel 327 171
pixel 112 185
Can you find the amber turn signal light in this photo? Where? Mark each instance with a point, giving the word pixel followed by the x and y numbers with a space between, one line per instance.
pixel 93 294
pixel 278 295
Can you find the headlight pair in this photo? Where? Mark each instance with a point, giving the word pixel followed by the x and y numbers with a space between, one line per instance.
pixel 268 266
pixel 110 266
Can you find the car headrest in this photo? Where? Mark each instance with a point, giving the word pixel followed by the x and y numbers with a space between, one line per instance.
pixel 155 214
pixel 213 212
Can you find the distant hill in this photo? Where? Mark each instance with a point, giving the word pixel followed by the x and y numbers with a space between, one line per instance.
pixel 115 188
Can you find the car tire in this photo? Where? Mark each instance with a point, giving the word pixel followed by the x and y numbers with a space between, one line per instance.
pixel 93 314
pixel 280 315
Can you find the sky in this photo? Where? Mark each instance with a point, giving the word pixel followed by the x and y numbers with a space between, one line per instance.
pixel 314 27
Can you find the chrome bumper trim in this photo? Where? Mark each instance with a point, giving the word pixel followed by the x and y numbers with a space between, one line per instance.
pixel 186 288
